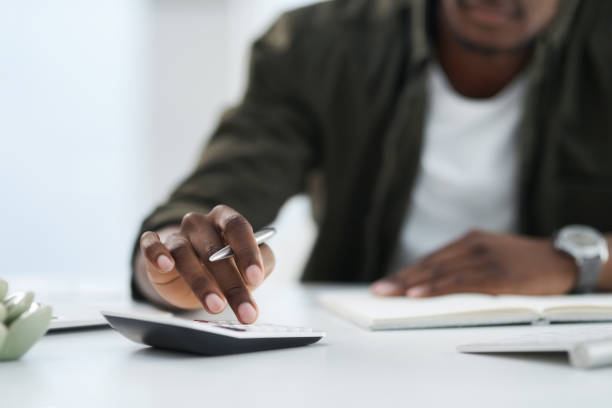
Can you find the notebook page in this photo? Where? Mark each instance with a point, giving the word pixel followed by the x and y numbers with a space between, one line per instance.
pixel 374 312
pixel 545 303
pixel 587 307
pixel 568 307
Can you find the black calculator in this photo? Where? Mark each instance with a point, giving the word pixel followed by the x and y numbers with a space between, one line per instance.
pixel 208 337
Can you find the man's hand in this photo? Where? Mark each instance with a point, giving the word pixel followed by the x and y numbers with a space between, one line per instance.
pixel 179 269
pixel 483 262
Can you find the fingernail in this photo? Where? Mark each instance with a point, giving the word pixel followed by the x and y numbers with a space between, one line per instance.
pixel 247 313
pixel 254 275
pixel 417 291
pixel 214 303
pixel 384 288
pixel 164 263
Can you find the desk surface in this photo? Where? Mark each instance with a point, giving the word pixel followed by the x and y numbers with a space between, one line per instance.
pixel 350 367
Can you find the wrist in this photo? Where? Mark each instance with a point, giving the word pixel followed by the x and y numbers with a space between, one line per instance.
pixel 567 268
pixel 604 282
pixel 589 250
pixel 557 269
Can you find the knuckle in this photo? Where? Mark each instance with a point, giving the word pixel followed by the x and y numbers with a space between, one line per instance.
pixel 150 245
pixel 244 253
pixel 473 235
pixel 479 248
pixel 219 209
pixel 235 222
pixel 200 285
pixel 151 251
pixel 398 278
pixel 211 249
pixel 190 220
pixel 235 293
pixel 147 236
pixel 436 271
pixel 477 243
pixel 178 246
pixel 149 241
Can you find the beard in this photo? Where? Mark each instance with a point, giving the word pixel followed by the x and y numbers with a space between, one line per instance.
pixel 511 9
pixel 490 50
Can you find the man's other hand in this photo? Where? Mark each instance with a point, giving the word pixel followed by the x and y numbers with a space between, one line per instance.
pixel 484 262
pixel 177 264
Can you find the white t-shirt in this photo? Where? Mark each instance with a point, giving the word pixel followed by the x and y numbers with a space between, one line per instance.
pixel 468 172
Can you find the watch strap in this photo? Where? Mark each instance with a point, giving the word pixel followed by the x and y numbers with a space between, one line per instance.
pixel 588 275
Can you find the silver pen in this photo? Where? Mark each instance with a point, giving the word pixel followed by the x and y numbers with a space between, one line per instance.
pixel 226 252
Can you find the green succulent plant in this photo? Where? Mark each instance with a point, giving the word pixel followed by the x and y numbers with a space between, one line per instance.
pixel 22 322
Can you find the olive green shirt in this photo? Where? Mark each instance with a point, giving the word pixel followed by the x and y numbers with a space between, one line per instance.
pixel 335 107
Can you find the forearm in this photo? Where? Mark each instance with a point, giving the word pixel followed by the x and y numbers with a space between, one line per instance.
pixel 605 278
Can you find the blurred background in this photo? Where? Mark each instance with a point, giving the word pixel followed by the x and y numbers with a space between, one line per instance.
pixel 104 107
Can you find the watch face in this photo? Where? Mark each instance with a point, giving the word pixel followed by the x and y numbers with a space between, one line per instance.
pixel 582 238
pixel 582 242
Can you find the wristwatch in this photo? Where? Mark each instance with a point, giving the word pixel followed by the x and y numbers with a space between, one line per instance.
pixel 589 249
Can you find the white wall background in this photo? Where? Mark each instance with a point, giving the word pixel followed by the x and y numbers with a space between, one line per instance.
pixel 104 106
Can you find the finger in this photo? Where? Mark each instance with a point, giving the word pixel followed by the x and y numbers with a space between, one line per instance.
pixel 398 283
pixel 178 293
pixel 450 266
pixel 389 286
pixel 269 262
pixel 453 250
pixel 441 261
pixel 205 240
pixel 156 277
pixel 471 279
pixel 199 280
pixel 430 267
pixel 155 252
pixel 238 234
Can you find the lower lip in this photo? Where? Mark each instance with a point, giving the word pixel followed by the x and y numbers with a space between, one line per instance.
pixel 489 17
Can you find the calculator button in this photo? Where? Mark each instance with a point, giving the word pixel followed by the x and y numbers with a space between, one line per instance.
pixel 256 328
pixel 230 327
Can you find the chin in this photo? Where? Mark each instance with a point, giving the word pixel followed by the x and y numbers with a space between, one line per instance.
pixel 492 48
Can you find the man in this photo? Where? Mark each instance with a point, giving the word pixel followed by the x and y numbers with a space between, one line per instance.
pixel 443 143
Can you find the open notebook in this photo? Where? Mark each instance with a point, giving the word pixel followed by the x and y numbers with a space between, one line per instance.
pixel 378 313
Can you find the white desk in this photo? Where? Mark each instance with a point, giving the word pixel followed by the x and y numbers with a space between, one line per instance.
pixel 351 367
